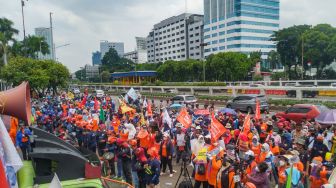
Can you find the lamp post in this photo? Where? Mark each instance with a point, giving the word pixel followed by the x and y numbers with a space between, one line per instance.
pixel 202 57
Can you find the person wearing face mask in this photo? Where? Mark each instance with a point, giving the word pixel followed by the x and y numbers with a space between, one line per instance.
pixel 282 166
pixel 166 154
pixel 256 148
pixel 318 173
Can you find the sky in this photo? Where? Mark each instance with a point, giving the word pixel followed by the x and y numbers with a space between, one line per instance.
pixel 83 23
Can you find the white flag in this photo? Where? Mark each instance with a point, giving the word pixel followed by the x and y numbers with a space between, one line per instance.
pixel 144 104
pixel 55 183
pixel 131 93
pixel 9 156
pixel 166 118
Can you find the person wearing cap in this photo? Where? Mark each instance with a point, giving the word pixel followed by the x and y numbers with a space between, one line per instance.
pixel 250 161
pixel 152 169
pixel 318 173
pixel 125 154
pixel 166 154
pixel 319 148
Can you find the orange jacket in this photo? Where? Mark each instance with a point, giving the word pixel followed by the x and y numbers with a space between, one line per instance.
pixel 256 150
pixel 14 123
pixel 275 150
pixel 213 170
pixel 317 182
pixel 231 183
pixel 199 177
pixel 282 174
pixel 250 167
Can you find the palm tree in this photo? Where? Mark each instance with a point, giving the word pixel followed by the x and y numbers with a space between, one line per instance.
pixel 7 33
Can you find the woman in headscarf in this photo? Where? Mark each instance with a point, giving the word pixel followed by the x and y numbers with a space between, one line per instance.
pixel 259 176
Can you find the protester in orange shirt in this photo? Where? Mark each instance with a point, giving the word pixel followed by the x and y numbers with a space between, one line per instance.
pixel 166 154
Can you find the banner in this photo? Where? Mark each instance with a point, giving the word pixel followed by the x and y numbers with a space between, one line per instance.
pixel 144 104
pixel 131 93
pixel 124 108
pixel 96 104
pixel 247 124
pixel 11 160
pixel 84 100
pixel 166 118
pixel 257 111
pixel 217 129
pixel 184 118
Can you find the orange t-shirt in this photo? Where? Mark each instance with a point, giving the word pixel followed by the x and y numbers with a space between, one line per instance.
pixel 164 150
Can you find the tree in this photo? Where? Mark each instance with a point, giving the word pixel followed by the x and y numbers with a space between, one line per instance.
pixel 7 33
pixel 113 63
pixel 255 57
pixel 42 75
pixel 289 45
pixel 273 59
pixel 105 76
pixel 30 47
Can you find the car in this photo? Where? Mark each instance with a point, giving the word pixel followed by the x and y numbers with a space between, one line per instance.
pixel 186 99
pixel 299 112
pixel 333 85
pixel 99 93
pixel 256 85
pixel 305 93
pixel 248 103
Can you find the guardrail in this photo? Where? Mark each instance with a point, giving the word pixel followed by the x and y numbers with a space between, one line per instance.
pixel 297 92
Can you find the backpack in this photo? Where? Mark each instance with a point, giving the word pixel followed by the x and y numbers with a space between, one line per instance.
pixel 201 169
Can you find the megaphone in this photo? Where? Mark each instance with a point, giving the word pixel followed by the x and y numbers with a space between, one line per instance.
pixel 16 102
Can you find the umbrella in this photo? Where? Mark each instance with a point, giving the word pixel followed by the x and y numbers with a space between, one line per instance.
pixel 327 117
pixel 177 106
pixel 203 112
pixel 228 111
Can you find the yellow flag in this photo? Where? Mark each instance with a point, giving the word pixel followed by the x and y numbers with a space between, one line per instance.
pixel 71 95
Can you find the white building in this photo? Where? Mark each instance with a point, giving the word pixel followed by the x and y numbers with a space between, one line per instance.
pixel 91 71
pixel 141 43
pixel 176 38
pixel 137 56
pixel 46 34
pixel 106 45
pixel 240 25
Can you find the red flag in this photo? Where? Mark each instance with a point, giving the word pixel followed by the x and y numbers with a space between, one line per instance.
pixel 149 109
pixel 184 118
pixel 96 104
pixel 257 111
pixel 217 129
pixel 3 179
pixel 84 100
pixel 247 124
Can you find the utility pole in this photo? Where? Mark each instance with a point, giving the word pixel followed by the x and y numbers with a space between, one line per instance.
pixel 53 53
pixel 302 58
pixel 23 22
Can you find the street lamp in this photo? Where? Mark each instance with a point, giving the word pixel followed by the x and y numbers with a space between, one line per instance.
pixel 60 46
pixel 202 57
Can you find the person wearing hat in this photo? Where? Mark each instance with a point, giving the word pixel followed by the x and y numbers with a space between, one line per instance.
pixel 166 154
pixel 153 168
pixel 298 133
pixel 140 160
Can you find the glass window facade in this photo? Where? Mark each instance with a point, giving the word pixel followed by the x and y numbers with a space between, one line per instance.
pixel 206 11
pixel 213 10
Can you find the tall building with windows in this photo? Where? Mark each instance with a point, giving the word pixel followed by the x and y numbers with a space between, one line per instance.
pixel 106 45
pixel 240 25
pixel 176 38
pixel 96 58
pixel 45 32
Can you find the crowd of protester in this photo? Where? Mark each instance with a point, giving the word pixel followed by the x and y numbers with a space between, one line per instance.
pixel 138 140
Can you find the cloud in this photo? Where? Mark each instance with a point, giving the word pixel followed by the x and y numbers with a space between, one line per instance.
pixel 83 23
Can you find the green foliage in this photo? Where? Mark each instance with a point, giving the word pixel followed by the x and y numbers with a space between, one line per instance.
pixel 105 76
pixel 255 57
pixel 278 75
pixel 7 33
pixel 273 59
pixel 319 47
pixel 30 47
pixel 41 74
pixel 147 66
pixel 113 63
pixel 257 78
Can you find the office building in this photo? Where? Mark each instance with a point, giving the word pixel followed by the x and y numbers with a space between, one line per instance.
pixel 240 25
pixel 106 45
pixel 176 38
pixel 46 34
pixel 96 58
pixel 141 43
pixel 137 56
pixel 91 71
